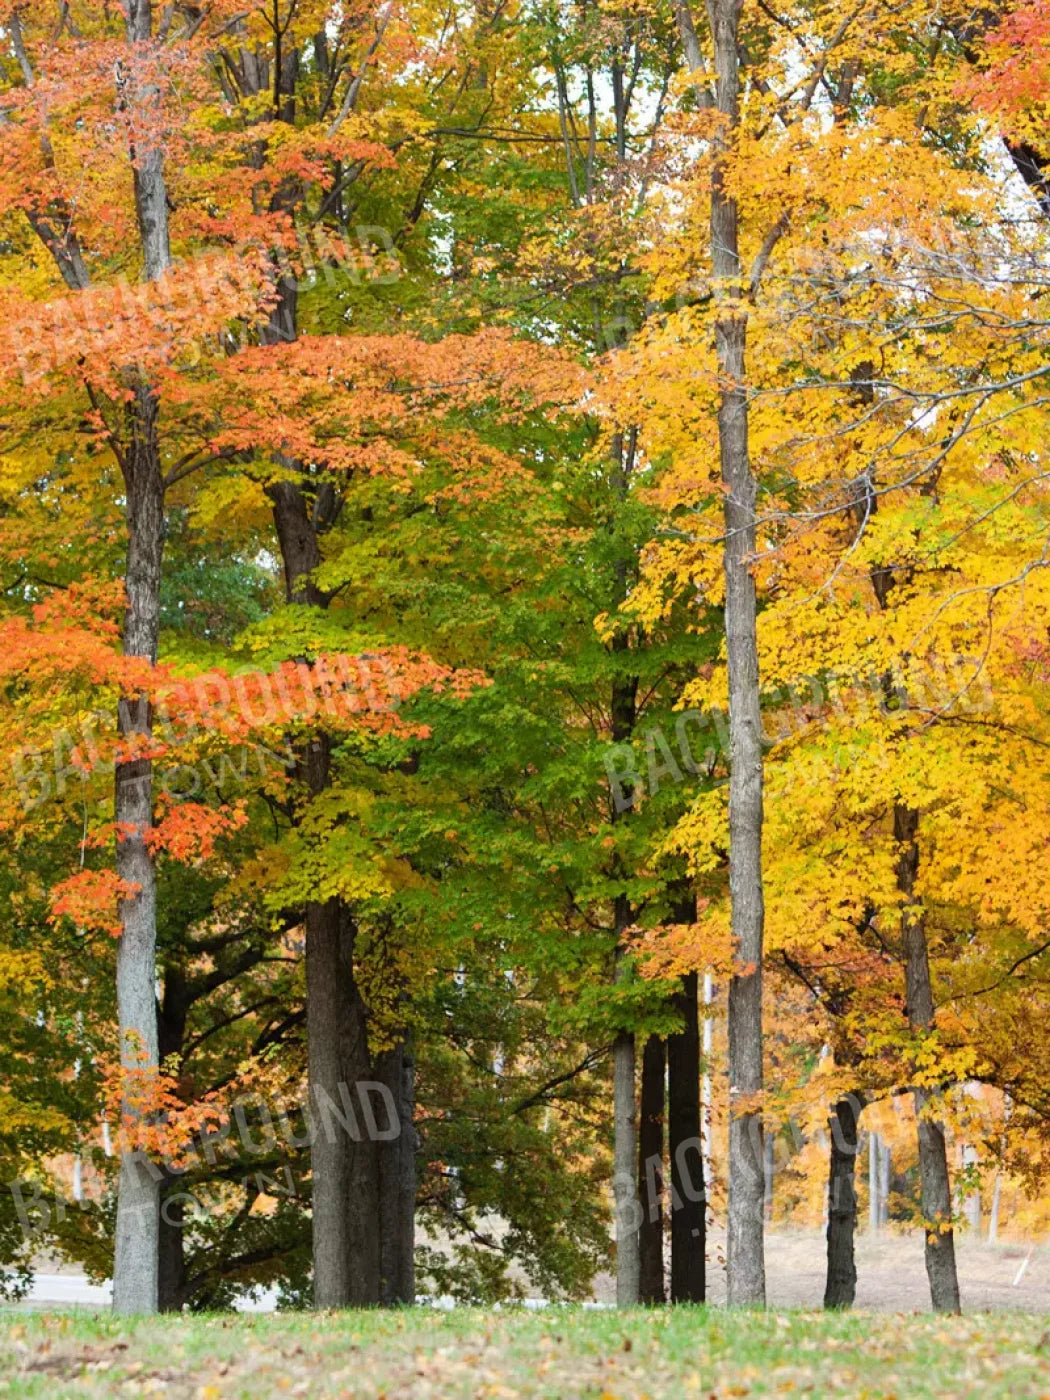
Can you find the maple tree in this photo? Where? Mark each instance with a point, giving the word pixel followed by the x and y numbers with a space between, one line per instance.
pixel 421 428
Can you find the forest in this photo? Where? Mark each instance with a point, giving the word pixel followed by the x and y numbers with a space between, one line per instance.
pixel 524 643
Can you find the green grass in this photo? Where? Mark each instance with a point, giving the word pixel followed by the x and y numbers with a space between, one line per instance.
pixel 560 1353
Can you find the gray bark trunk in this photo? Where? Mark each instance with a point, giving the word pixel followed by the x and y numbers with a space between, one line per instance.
pixel 745 1248
pixel 885 1176
pixel 685 1149
pixel 651 1172
pixel 625 1183
pixel 625 1190
pixel 135 1266
pixel 151 193
pixel 841 1285
pixel 137 1226
pixel 933 1156
pixel 993 1218
pixel 768 1176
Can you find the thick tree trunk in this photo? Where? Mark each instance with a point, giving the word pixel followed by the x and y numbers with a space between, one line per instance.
pixel 344 1155
pixel 397 1180
pixel 171 1253
pixel 841 1286
pixel 685 1149
pixel 138 1200
pixel 933 1156
pixel 745 1251
pixel 347 1221
pixel 651 1172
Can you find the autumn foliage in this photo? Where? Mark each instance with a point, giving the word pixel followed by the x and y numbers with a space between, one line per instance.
pixel 363 499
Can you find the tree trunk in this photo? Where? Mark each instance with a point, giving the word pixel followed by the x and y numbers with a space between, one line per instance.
pixel 151 193
pixel 625 1187
pixel 171 1267
pixel 933 1155
pixel 625 1165
pixel 768 1174
pixel 685 1149
pixel 347 1220
pixel 972 1202
pixel 344 1155
pixel 651 1172
pixel 138 1199
pixel 993 1217
pixel 841 1286
pixel 397 1180
pixel 885 1175
pixel 135 1264
pixel 745 1250
pixel 407 1168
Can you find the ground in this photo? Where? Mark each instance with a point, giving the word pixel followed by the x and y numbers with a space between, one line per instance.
pixel 561 1353
pixel 885 1350
pixel 891 1274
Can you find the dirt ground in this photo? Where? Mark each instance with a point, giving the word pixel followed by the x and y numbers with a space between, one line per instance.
pixel 891 1275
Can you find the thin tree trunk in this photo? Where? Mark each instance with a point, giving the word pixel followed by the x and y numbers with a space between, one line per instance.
pixel 625 1166
pixel 135 1266
pixel 706 1049
pixel 685 1149
pixel 993 1217
pixel 841 1286
pixel 933 1156
pixel 873 1183
pixel 138 1192
pixel 769 1167
pixel 625 1187
pixel 885 1176
pixel 745 1248
pixel 972 1203
pixel 651 1172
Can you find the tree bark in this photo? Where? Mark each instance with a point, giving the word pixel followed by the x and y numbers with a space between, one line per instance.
pixel 625 1187
pixel 397 1180
pixel 841 1285
pixel 651 1172
pixel 135 1266
pixel 885 1176
pixel 623 704
pixel 933 1156
pixel 171 1267
pixel 348 1223
pixel 138 1200
pixel 745 1249
pixel 685 1149
pixel 344 1155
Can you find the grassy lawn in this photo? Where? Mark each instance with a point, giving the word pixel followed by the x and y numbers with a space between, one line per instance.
pixel 563 1352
